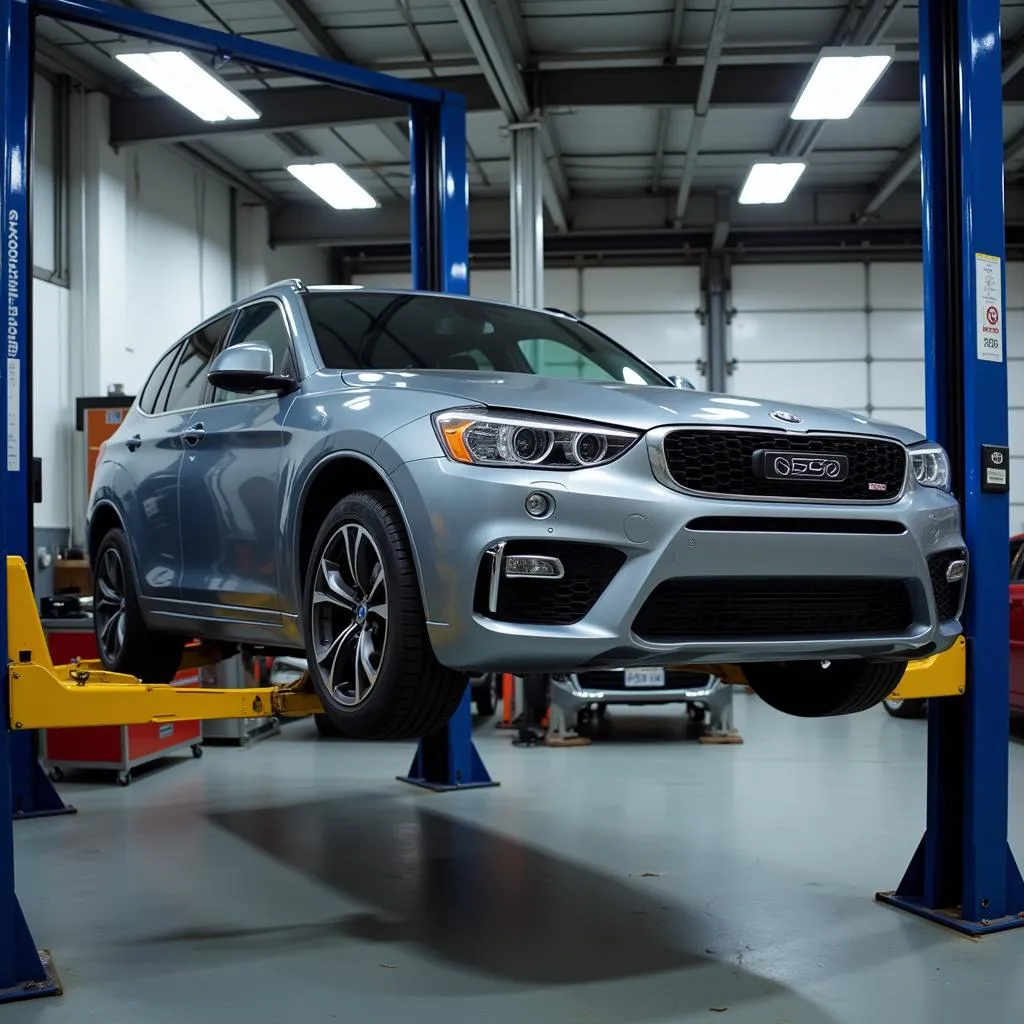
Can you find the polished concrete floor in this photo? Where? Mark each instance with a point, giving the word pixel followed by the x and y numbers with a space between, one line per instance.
pixel 646 878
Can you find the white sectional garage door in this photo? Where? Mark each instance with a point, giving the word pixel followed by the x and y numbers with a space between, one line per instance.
pixel 654 311
pixel 852 336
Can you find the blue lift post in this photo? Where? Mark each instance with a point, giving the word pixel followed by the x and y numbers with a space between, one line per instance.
pixel 439 228
pixel 447 759
pixel 964 874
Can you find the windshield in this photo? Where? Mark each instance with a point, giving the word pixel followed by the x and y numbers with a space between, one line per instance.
pixel 358 330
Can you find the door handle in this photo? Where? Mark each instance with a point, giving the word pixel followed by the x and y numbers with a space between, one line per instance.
pixel 194 434
pixel 133 442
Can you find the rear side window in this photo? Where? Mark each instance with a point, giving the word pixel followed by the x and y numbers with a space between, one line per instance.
pixel 152 390
pixel 189 383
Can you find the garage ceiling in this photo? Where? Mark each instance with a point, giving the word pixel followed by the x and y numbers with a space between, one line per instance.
pixel 653 111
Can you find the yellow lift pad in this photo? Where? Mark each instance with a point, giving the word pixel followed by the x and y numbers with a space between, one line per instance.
pixel 44 696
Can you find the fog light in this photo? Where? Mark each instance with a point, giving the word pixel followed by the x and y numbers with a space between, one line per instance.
pixel 534 566
pixel 956 571
pixel 539 504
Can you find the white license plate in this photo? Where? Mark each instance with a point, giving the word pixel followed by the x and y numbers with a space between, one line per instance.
pixel 642 678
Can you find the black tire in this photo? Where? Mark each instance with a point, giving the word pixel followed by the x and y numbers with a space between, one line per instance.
pixel 485 696
pixel 809 689
pixel 411 694
pixel 326 729
pixel 916 707
pixel 126 644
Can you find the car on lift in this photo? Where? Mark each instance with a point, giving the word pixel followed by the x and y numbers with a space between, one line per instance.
pixel 918 708
pixel 413 487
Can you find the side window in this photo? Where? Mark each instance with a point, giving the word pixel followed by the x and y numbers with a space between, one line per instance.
pixel 263 321
pixel 151 391
pixel 550 358
pixel 189 383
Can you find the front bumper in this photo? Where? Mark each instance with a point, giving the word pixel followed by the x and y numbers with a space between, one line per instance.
pixel 456 513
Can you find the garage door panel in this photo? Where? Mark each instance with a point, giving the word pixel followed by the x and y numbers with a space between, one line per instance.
pixel 1015 285
pixel 896 286
pixel 798 336
pixel 640 290
pixel 838 384
pixel 491 284
pixel 562 289
pixel 798 286
pixel 1017 490
pixel 897 384
pixel 897 334
pixel 655 337
pixel 1015 382
pixel 1017 431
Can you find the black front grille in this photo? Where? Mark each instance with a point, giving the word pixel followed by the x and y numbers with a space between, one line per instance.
pixel 684 610
pixel 589 569
pixel 947 595
pixel 722 462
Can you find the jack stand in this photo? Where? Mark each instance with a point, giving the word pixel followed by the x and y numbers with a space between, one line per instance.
pixel 564 709
pixel 32 793
pixel 720 727
pixel 448 759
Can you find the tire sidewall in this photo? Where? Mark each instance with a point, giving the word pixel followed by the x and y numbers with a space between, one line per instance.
pixel 359 509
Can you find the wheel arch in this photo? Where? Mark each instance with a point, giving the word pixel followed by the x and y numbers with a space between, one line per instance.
pixel 332 478
pixel 104 517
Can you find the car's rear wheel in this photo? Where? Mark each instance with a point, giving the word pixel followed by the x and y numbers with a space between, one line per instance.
pixel 126 644
pixel 367 647
pixel 819 689
pixel 913 708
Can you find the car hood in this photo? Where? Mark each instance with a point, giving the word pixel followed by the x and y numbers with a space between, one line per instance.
pixel 641 407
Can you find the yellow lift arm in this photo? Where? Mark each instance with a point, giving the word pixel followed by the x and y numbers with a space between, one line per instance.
pixel 45 696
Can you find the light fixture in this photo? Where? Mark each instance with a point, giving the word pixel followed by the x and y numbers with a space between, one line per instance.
pixel 188 82
pixel 333 185
pixel 840 79
pixel 770 182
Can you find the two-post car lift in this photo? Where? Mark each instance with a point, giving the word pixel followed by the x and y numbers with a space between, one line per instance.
pixel 963 873
pixel 39 695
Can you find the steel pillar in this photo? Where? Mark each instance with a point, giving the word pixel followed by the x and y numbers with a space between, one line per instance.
pixel 526 214
pixel 717 287
pixel 447 759
pixel 963 874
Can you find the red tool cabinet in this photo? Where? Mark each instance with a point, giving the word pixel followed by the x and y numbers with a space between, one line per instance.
pixel 120 748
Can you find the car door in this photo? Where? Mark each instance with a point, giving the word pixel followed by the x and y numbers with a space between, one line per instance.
pixel 1017 629
pixel 149 450
pixel 229 509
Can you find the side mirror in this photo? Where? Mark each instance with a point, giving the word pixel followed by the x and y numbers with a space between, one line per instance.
pixel 683 382
pixel 246 368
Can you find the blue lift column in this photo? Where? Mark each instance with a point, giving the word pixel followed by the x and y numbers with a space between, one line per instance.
pixel 964 874
pixel 448 759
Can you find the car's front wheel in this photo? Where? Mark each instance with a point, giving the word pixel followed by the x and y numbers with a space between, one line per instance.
pixel 367 647
pixel 126 644
pixel 819 689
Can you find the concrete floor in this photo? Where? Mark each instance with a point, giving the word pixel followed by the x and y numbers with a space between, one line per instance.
pixel 647 878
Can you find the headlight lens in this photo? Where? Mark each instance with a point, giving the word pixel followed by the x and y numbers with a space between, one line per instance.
pixel 931 466
pixel 499 439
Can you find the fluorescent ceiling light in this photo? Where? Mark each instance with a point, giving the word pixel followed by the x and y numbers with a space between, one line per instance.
pixel 333 185
pixel 188 82
pixel 839 81
pixel 770 182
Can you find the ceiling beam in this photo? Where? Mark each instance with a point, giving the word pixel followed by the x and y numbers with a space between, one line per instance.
pixel 490 46
pixel 312 30
pixel 158 118
pixel 716 42
pixel 675 42
pixel 910 160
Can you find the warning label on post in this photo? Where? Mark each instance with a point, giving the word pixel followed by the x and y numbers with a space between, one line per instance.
pixel 989 299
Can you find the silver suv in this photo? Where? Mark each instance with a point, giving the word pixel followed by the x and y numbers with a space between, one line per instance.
pixel 410 487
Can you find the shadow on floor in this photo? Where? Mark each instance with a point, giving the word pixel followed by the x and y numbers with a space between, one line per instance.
pixel 495 906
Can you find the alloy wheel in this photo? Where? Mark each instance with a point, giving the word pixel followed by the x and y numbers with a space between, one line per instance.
pixel 110 605
pixel 350 614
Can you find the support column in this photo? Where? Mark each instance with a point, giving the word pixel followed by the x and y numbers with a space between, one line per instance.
pixel 717 284
pixel 964 874
pixel 526 214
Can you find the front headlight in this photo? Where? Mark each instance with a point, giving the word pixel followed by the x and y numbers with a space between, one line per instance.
pixel 511 439
pixel 931 466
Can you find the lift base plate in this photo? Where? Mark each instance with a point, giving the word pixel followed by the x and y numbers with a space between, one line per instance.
pixel 950 917
pixel 51 986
